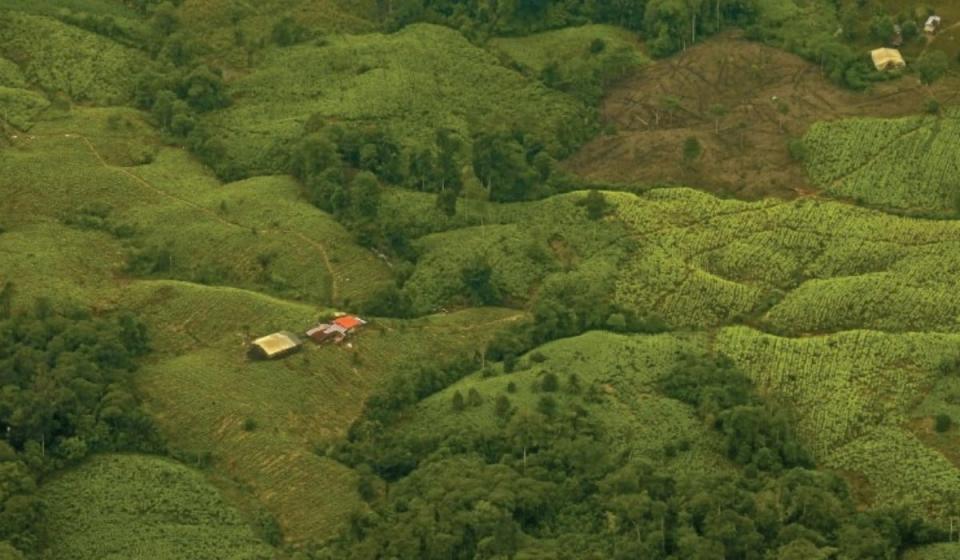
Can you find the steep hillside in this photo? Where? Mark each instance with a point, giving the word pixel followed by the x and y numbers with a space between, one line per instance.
pixel 62 58
pixel 115 504
pixel 409 84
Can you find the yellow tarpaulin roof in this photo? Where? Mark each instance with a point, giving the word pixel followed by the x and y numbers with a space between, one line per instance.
pixel 277 342
pixel 885 59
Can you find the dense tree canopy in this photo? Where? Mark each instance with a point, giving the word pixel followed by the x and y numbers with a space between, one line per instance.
pixel 546 484
pixel 65 391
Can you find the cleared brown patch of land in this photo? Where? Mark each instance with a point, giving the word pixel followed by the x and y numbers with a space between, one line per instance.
pixel 743 101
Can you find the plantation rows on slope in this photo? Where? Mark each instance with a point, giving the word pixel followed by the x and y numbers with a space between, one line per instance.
pixel 795 267
pixel 805 266
pixel 908 164
pixel 121 506
pixel 409 83
pixel 853 394
pixel 83 173
pixel 77 209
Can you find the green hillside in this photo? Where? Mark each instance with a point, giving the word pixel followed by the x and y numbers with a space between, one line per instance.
pixel 131 506
pixel 550 367
pixel 409 84
pixel 864 159
pixel 63 58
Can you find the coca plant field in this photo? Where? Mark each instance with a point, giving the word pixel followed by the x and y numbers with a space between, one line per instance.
pixel 640 280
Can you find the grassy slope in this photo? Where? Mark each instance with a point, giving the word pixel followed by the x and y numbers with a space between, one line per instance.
pixel 216 23
pixel 134 506
pixel 202 389
pixel 59 57
pixel 173 202
pixel 410 83
pixel 634 416
pixel 827 266
pixel 864 159
pixel 537 50
pixel 570 49
pixel 525 243
pixel 198 330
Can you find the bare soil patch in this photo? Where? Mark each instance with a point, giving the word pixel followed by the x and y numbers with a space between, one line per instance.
pixel 743 101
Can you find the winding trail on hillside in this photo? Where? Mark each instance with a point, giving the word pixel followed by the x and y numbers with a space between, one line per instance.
pixel 316 245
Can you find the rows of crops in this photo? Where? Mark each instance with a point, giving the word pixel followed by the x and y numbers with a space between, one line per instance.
pixel 901 470
pixel 907 163
pixel 59 57
pixel 830 266
pixel 632 413
pixel 409 83
pixel 116 504
pixel 842 384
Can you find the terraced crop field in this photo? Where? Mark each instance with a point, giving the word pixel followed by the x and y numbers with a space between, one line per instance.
pixel 113 505
pixel 806 266
pixel 199 384
pixel 63 58
pixel 905 164
pixel 409 83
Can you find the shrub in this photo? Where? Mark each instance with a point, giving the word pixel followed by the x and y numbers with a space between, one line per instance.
pixel 797 149
pixel 474 398
pixel 547 405
pixel 249 425
pixel 596 204
pixel 537 357
pixel 943 422
pixel 691 150
pixel 502 407
pixel 550 383
pixel 458 402
pixel 269 529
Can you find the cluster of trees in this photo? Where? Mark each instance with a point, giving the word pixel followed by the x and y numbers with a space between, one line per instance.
pixel 669 25
pixel 176 95
pixel 586 81
pixel 549 483
pixel 65 391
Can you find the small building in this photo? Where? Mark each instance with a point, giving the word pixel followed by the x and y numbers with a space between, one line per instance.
pixel 932 25
pixel 276 345
pixel 339 329
pixel 897 39
pixel 887 59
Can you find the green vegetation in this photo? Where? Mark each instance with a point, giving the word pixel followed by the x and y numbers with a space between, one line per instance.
pixel 547 476
pixel 407 84
pixel 824 267
pixel 934 552
pixel 58 57
pixel 905 164
pixel 551 369
pixel 67 392
pixel 20 107
pixel 114 504
pixel 576 60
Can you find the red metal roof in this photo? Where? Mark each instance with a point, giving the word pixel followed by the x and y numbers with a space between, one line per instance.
pixel 348 322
